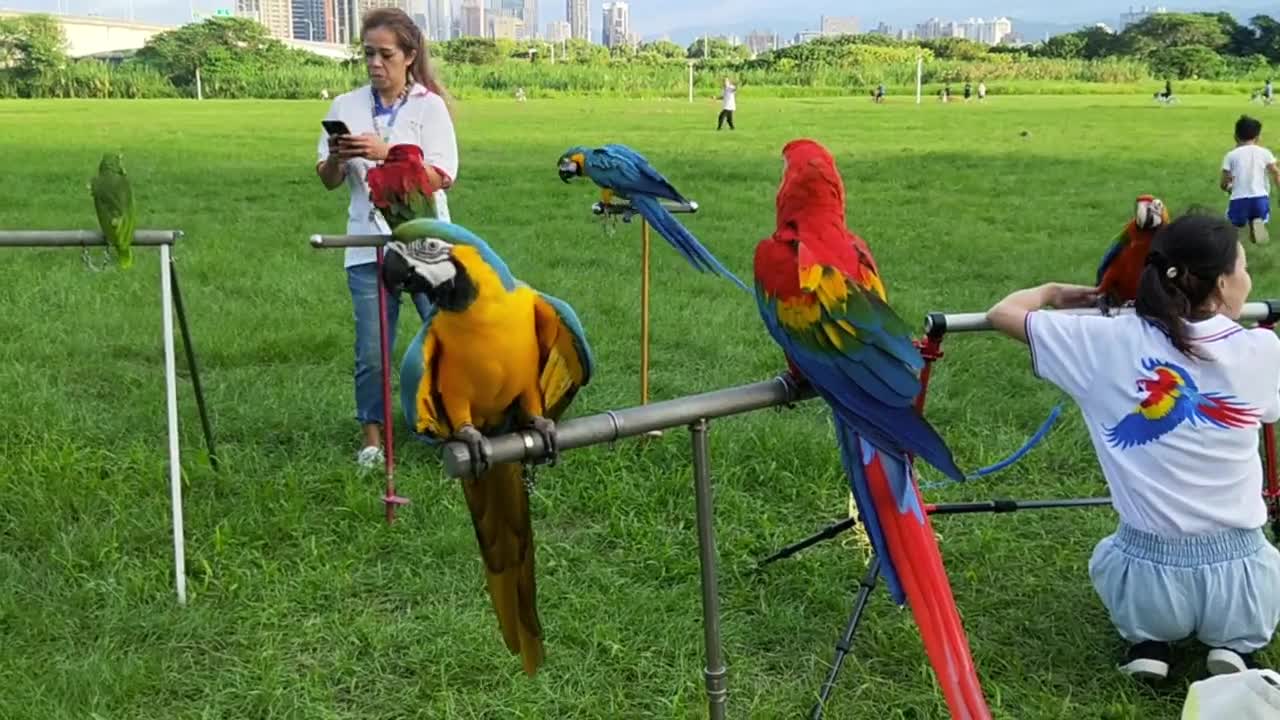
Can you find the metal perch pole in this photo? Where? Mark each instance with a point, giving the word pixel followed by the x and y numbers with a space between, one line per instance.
pixel 695 412
pixel 323 242
pixel 163 239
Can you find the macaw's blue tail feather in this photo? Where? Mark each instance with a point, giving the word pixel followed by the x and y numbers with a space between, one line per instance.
pixel 851 458
pixel 681 239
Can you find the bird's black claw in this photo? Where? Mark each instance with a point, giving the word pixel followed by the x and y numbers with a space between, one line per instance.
pixel 546 429
pixel 478 447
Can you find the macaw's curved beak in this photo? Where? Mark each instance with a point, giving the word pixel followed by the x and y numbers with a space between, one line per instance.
pixel 1149 213
pixel 568 169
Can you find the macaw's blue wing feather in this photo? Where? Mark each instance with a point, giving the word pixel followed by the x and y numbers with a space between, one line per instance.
pixel 1112 253
pixel 859 395
pixel 626 172
pixel 851 330
pixel 418 397
pixel 681 239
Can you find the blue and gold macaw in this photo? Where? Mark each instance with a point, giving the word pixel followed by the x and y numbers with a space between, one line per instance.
pixel 623 172
pixel 493 356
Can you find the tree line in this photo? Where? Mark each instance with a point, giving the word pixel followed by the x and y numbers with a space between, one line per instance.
pixel 235 57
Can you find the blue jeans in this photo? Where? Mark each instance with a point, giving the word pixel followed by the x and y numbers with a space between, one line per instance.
pixel 362 280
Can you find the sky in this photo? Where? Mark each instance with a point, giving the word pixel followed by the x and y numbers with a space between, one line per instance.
pixel 685 18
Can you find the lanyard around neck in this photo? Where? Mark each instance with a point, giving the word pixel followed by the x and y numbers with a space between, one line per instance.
pixel 379 109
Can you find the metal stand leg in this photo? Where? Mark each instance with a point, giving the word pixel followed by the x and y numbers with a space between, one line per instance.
pixel 717 688
pixel 846 640
pixel 189 348
pixel 644 320
pixel 1272 490
pixel 388 429
pixel 171 402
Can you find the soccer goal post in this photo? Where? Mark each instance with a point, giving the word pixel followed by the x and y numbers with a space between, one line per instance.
pixel 919 78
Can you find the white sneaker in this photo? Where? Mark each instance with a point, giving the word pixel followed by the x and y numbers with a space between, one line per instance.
pixel 1258 230
pixel 371 458
pixel 1222 661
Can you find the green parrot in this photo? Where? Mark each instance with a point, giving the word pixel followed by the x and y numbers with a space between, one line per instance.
pixel 113 201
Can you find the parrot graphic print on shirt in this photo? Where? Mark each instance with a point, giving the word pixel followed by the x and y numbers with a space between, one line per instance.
pixel 1171 397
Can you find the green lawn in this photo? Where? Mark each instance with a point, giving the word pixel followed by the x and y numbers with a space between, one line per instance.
pixel 305 604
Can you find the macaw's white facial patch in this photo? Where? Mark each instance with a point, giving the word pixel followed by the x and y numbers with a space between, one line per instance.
pixel 430 258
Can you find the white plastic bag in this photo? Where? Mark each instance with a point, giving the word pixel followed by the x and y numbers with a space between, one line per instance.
pixel 1248 695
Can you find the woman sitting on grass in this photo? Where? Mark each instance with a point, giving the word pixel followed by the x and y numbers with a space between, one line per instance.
pixel 1173 397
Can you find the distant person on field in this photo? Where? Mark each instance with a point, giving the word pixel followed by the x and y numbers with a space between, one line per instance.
pixel 1244 175
pixel 1173 397
pixel 968 91
pixel 880 93
pixel 982 91
pixel 404 103
pixel 728 94
pixel 1266 92
pixel 520 97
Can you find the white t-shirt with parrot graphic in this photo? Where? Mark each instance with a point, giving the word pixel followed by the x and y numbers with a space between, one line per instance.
pixel 1177 437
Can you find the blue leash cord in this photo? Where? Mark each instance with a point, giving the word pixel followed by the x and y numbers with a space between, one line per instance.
pixel 1027 447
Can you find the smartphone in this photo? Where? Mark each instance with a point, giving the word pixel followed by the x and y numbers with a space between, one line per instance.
pixel 335 127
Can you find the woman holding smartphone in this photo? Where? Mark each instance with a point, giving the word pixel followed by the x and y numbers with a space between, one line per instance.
pixel 404 103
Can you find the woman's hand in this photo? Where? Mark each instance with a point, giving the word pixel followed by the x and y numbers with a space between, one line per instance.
pixel 1009 316
pixel 367 146
pixel 1064 297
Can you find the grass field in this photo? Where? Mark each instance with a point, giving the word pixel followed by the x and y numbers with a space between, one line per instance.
pixel 304 604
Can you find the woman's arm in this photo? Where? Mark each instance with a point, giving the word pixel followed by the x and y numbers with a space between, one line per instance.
pixel 1009 316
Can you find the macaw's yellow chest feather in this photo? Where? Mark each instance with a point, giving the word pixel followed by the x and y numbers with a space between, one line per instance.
pixel 488 355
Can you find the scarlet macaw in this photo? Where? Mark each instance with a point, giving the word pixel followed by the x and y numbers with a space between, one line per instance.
pixel 621 171
pixel 822 299
pixel 1121 267
pixel 400 188
pixel 493 356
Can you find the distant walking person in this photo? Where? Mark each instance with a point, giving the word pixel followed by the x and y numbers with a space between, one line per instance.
pixel 729 96
pixel 982 91
pixel 968 91
pixel 879 96
pixel 1266 92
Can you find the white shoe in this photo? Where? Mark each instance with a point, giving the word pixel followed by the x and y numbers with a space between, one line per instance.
pixel 1222 661
pixel 371 458
pixel 1258 230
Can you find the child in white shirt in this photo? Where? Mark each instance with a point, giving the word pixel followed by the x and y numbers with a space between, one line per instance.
pixel 1173 397
pixel 1244 175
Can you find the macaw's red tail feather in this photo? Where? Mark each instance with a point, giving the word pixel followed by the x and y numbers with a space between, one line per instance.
pixel 913 552
pixel 1226 413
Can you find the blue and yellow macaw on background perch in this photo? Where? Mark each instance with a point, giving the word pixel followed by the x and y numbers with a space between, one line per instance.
pixel 624 173
pixel 494 355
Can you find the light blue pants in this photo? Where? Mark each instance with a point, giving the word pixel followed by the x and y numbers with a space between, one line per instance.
pixel 1224 589
pixel 362 281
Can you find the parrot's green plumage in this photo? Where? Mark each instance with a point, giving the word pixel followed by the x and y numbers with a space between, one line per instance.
pixel 113 201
